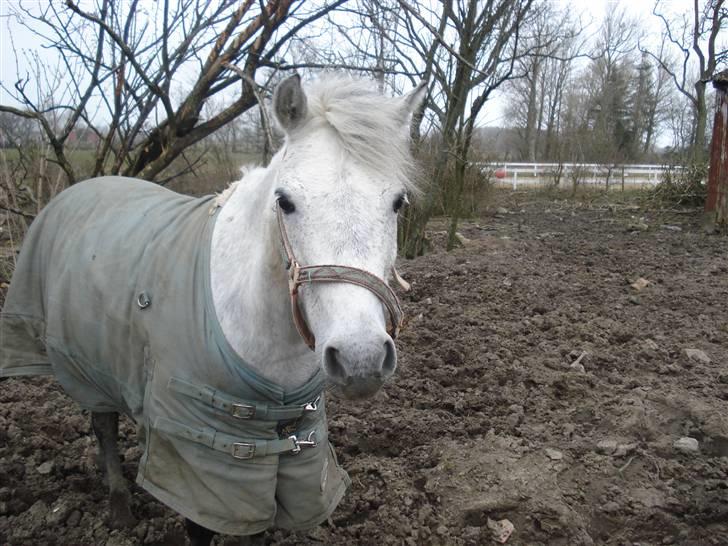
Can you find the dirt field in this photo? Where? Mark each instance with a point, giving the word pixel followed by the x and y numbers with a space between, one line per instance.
pixel 535 385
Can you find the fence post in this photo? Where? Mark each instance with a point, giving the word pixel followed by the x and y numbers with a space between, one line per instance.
pixel 515 180
pixel 716 202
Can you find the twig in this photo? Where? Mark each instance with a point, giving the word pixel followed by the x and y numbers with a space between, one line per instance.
pixel 578 360
pixel 263 110
pixel 624 467
pixel 18 212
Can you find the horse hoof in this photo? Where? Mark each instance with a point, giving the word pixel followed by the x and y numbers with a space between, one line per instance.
pixel 121 517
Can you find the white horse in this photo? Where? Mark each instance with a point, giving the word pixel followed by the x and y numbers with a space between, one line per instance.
pixel 289 266
pixel 341 177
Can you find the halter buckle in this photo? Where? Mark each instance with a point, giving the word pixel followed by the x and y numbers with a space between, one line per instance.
pixel 310 441
pixel 294 276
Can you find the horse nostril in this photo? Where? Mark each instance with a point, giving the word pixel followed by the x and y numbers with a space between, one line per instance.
pixel 390 359
pixel 334 368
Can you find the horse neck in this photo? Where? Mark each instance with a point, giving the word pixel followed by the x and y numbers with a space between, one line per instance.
pixel 250 288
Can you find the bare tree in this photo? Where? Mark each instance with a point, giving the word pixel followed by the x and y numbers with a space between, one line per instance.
pixel 650 105
pixel 535 98
pixel 122 63
pixel 468 49
pixel 694 35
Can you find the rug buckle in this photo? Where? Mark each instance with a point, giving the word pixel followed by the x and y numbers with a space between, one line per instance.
pixel 243 450
pixel 242 411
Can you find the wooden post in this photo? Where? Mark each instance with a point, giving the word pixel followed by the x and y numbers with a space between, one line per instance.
pixel 716 202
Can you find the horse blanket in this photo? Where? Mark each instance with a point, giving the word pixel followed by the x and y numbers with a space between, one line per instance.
pixel 111 294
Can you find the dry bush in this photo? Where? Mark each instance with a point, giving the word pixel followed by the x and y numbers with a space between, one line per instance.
pixel 681 186
pixel 205 170
pixel 478 190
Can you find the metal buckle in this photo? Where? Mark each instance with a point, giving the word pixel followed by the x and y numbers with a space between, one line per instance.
pixel 310 441
pixel 293 279
pixel 243 450
pixel 242 411
pixel 312 406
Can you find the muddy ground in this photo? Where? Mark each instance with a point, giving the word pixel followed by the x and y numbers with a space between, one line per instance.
pixel 535 385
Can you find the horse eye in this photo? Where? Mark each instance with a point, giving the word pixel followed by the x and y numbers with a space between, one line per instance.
pixel 286 204
pixel 400 202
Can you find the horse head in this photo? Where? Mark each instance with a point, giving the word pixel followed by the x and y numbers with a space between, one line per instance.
pixel 341 178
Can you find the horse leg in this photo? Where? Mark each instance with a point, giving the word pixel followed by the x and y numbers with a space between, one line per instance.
pixel 198 535
pixel 106 429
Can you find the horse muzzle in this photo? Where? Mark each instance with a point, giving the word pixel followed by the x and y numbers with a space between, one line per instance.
pixel 358 369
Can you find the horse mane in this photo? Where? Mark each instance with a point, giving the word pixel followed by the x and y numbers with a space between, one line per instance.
pixel 371 126
pixel 222 197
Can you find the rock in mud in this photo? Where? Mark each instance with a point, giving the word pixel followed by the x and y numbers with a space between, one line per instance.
pixel 554 454
pixel 640 284
pixel 624 449
pixel 45 468
pixel 58 513
pixel 514 419
pixel 686 445
pixel 607 447
pixel 38 511
pixel 697 356
pixel 637 226
pixel 501 530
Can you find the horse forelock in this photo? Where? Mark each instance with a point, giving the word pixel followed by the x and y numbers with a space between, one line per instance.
pixel 371 127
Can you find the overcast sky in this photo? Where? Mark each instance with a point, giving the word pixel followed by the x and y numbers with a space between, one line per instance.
pixel 591 13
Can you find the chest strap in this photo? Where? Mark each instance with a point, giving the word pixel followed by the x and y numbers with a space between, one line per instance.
pixel 241 409
pixel 235 446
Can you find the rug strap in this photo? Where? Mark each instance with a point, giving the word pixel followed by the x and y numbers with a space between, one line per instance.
pixel 239 408
pixel 237 447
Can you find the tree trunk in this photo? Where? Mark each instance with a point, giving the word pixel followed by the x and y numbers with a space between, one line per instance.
pixel 532 112
pixel 701 117
pixel 716 203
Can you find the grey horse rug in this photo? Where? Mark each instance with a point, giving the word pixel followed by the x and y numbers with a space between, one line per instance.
pixel 111 294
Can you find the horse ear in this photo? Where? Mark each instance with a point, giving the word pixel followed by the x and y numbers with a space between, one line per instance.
pixel 413 100
pixel 289 102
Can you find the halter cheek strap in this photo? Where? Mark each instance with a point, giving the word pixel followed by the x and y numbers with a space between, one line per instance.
pixel 299 275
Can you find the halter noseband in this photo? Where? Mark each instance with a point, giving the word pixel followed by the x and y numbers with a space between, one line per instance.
pixel 298 275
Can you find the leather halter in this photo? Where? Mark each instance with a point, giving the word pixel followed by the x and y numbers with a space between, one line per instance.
pixel 299 275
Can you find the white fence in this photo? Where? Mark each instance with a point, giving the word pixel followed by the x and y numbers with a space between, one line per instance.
pixel 540 174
